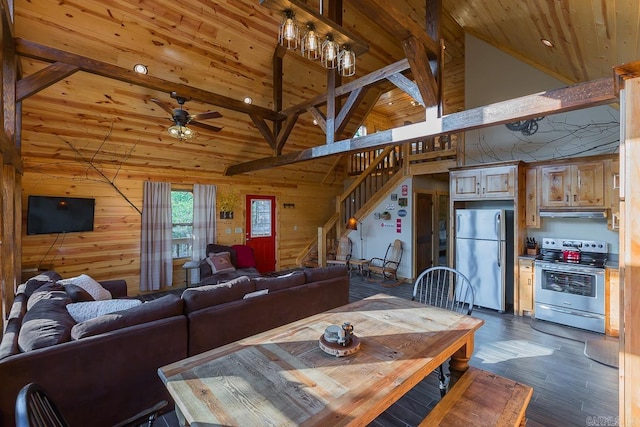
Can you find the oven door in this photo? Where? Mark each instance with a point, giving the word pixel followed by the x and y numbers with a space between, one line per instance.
pixel 570 287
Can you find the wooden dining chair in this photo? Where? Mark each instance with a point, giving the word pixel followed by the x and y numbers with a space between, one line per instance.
pixel 34 408
pixel 387 266
pixel 447 288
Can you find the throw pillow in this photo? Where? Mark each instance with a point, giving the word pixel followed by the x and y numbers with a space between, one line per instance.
pixel 82 311
pixel 161 308
pixel 244 256
pixel 207 296
pixel 47 323
pixel 48 291
pixel 214 248
pixel 77 294
pixel 94 288
pixel 39 280
pixel 220 262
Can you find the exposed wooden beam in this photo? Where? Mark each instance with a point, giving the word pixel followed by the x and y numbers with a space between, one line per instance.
pixel 318 117
pixel 42 79
pixel 407 86
pixel 264 130
pixel 370 79
pixel 389 16
pixel 349 108
pixel 417 56
pixel 584 95
pixel 284 133
pixel 93 66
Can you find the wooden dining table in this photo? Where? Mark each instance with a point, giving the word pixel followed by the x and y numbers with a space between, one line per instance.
pixel 281 377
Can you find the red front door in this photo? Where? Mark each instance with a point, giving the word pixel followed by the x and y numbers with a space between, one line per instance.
pixel 261 231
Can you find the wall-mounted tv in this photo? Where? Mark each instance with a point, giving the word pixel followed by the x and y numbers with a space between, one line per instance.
pixel 48 214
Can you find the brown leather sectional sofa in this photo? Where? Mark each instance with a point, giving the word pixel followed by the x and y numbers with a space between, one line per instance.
pixel 108 370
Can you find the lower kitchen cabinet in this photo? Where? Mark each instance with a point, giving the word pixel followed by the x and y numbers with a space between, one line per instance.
pixel 612 302
pixel 525 286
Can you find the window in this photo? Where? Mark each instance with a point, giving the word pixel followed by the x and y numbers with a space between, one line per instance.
pixel 181 223
pixel 362 131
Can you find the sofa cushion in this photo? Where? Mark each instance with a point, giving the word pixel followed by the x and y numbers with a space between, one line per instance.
pixel 47 291
pixel 220 262
pixel 205 296
pixel 82 311
pixel 161 308
pixel 87 283
pixel 295 278
pixel 35 282
pixel 19 307
pixel 324 273
pixel 47 323
pixel 77 294
pixel 214 248
pixel 9 344
pixel 244 256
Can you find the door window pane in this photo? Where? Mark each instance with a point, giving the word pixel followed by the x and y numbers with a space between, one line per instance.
pixel 260 218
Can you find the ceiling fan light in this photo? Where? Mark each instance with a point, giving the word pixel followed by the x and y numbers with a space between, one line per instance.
pixel 289 35
pixel 310 43
pixel 330 53
pixel 346 62
pixel 181 132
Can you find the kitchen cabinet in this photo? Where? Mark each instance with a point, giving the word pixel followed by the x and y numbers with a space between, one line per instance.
pixel 612 302
pixel 573 185
pixel 525 286
pixel 531 212
pixel 496 182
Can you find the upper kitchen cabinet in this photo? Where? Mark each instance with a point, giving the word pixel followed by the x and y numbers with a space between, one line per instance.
pixel 484 182
pixel 531 211
pixel 573 185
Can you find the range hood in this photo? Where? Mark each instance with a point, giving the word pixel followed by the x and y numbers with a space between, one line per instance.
pixel 582 213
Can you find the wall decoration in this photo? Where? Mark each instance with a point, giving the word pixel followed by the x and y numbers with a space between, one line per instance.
pixel 398 225
pixel 402 213
pixel 385 215
pixel 394 197
pixel 405 190
pixel 391 207
pixel 403 201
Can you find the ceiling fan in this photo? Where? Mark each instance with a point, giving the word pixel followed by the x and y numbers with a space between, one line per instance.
pixel 181 118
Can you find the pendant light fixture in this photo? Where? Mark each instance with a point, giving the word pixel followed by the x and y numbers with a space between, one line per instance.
pixel 330 53
pixel 346 61
pixel 310 43
pixel 181 132
pixel 289 35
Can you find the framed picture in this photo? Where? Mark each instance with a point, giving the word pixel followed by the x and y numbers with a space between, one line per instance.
pixel 394 197
pixel 403 201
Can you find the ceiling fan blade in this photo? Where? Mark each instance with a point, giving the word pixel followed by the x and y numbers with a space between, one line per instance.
pixel 205 126
pixel 162 105
pixel 207 115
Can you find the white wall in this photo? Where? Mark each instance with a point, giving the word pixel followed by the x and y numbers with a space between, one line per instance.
pixel 377 234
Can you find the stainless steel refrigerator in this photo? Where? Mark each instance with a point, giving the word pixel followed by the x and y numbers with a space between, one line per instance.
pixel 484 253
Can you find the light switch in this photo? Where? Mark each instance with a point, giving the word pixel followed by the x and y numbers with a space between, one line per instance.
pixel 238 230
pixel 228 231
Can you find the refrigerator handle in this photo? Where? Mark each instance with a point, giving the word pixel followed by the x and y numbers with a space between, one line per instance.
pixel 458 223
pixel 499 233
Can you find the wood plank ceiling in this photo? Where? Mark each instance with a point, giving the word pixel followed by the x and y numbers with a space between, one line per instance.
pixel 227 48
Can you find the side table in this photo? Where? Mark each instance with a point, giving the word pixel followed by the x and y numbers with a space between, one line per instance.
pixel 188 268
pixel 362 264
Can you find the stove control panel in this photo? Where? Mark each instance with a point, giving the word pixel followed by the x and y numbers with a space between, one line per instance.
pixel 575 245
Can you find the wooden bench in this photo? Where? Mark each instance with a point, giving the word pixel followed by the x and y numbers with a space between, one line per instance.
pixel 481 398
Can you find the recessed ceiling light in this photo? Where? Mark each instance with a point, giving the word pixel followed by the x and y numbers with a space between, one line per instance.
pixel 140 69
pixel 315 122
pixel 547 42
pixel 390 103
pixel 247 100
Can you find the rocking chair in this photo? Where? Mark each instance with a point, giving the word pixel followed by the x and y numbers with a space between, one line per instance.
pixel 387 266
pixel 343 252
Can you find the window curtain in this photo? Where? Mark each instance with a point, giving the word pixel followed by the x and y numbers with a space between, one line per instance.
pixel 156 263
pixel 204 223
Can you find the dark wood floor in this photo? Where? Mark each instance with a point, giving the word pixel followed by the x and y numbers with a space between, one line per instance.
pixel 569 388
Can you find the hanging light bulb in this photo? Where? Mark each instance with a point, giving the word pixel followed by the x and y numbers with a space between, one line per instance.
pixel 289 35
pixel 310 43
pixel 330 53
pixel 346 61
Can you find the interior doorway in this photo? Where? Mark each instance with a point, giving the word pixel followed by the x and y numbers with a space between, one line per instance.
pixel 261 231
pixel 431 230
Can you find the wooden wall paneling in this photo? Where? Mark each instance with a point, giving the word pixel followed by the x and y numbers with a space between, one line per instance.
pixel 630 255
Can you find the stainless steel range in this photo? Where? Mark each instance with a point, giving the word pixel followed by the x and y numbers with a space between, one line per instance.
pixel 569 282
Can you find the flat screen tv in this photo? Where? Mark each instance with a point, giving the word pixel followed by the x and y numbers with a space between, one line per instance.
pixel 49 215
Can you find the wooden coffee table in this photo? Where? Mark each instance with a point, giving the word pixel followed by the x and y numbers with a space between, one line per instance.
pixel 281 377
